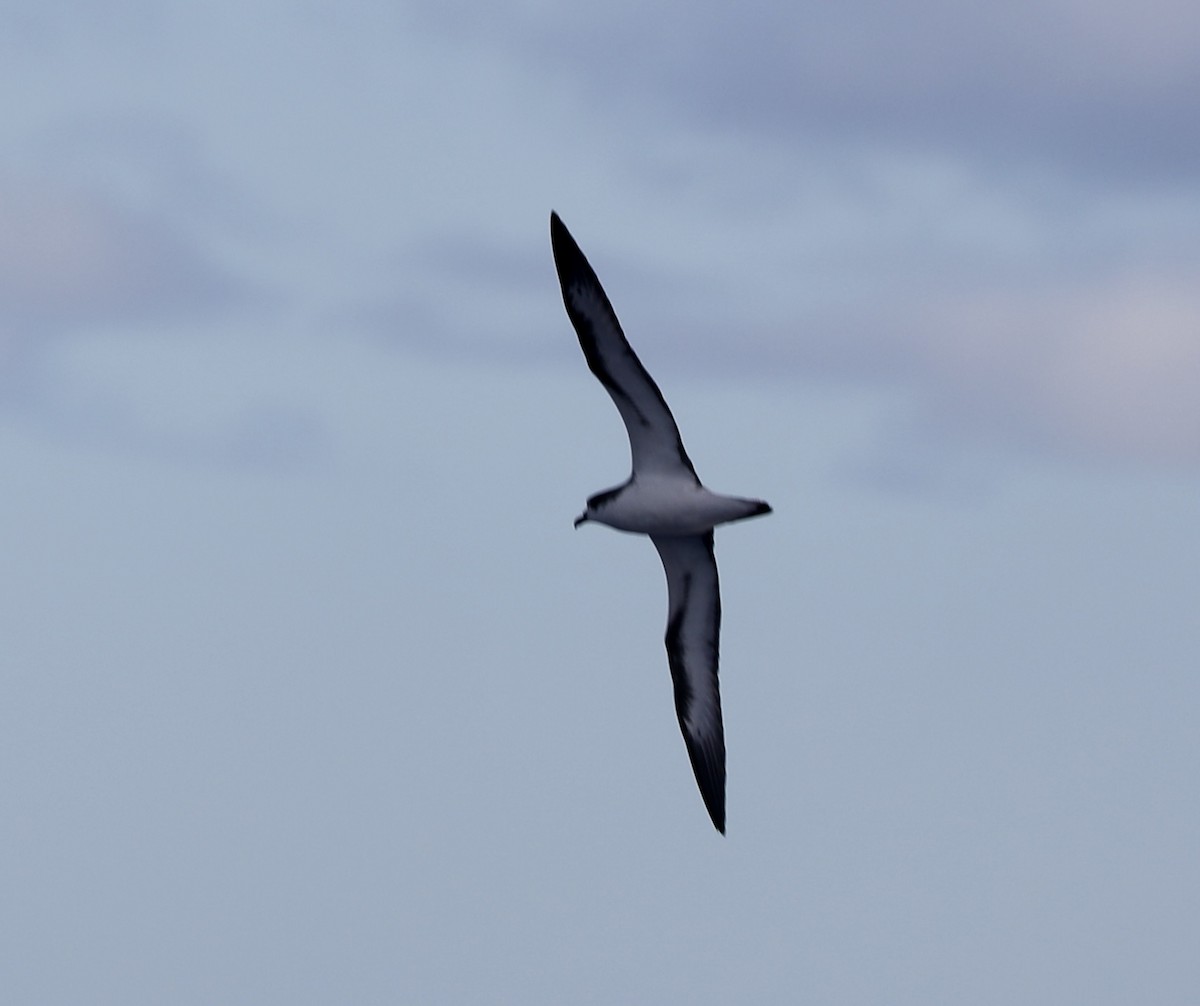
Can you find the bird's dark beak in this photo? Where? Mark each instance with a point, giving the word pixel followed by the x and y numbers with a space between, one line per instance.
pixel 580 519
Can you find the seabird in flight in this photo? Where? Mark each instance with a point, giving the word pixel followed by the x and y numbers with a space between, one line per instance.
pixel 662 498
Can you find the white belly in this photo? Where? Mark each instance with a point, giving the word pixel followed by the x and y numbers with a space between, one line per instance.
pixel 667 508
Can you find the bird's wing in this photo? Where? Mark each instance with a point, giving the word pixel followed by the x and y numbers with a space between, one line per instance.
pixel 654 439
pixel 693 631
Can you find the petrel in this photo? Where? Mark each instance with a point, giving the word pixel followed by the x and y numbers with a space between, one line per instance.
pixel 662 498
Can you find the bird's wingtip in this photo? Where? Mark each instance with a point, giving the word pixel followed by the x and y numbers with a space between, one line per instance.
pixel 718 819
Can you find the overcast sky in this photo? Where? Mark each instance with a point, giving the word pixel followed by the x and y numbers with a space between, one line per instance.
pixel 311 694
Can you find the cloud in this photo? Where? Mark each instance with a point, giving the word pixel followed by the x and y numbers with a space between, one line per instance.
pixel 991 207
pixel 69 259
pixel 259 435
pixel 1108 368
pixel 77 267
pixel 1099 89
pixel 1011 308
pixel 465 294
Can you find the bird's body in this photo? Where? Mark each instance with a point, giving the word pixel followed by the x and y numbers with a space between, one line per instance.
pixel 660 505
pixel 662 498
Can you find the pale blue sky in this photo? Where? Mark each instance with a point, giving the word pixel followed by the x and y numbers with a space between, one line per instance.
pixel 311 692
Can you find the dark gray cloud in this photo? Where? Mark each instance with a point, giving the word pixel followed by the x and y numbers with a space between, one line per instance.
pixel 993 207
pixel 1100 91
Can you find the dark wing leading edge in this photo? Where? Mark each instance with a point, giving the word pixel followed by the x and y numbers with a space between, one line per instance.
pixel 693 631
pixel 654 439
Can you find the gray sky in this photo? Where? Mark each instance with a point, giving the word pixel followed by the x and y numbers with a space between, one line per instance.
pixel 311 692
